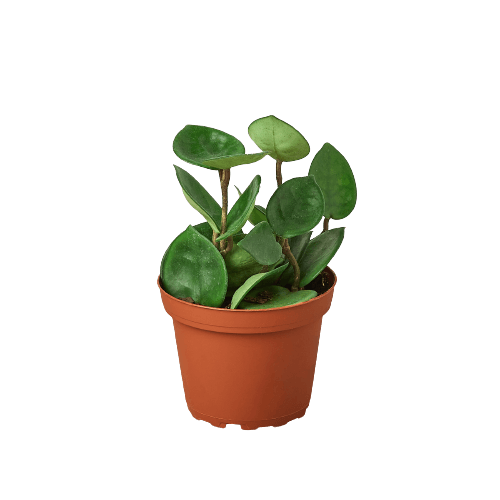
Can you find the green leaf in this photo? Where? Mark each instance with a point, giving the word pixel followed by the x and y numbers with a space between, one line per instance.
pixel 280 297
pixel 225 162
pixel 193 267
pixel 295 207
pixel 335 178
pixel 258 213
pixel 280 139
pixel 199 198
pixel 319 253
pixel 262 278
pixel 242 209
pixel 261 244
pixel 205 229
pixel 240 266
pixel 196 144
pixel 298 244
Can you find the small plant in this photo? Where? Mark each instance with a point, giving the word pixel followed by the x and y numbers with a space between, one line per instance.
pixel 277 263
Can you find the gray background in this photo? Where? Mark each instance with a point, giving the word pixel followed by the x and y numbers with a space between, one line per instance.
pixel 405 400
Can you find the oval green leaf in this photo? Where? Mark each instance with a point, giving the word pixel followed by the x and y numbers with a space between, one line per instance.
pixel 276 296
pixel 283 142
pixel 199 198
pixel 225 162
pixel 197 144
pixel 261 244
pixel 265 279
pixel 242 209
pixel 335 178
pixel 295 207
pixel 193 267
pixel 240 266
pixel 205 229
pixel 258 215
pixel 319 253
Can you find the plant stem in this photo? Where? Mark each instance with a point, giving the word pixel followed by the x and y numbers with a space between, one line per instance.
pixel 325 225
pixel 228 247
pixel 293 261
pixel 265 269
pixel 279 179
pixel 224 175
pixel 214 237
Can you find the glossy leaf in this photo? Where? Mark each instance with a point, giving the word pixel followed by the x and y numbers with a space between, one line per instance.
pixel 335 178
pixel 280 297
pixel 261 244
pixel 225 162
pixel 199 198
pixel 264 279
pixel 283 142
pixel 205 229
pixel 295 207
pixel 242 209
pixel 193 267
pixel 197 144
pixel 240 266
pixel 258 213
pixel 298 244
pixel 319 253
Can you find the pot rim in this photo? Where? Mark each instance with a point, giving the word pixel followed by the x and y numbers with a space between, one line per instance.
pixel 199 306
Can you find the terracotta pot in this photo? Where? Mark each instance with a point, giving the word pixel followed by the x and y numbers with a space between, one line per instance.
pixel 253 368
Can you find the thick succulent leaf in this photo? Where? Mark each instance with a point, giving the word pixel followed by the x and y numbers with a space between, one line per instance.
pixel 240 266
pixel 298 244
pixel 205 229
pixel 264 279
pixel 193 267
pixel 225 162
pixel 261 244
pixel 335 178
pixel 242 209
pixel 258 215
pixel 295 207
pixel 319 253
pixel 280 139
pixel 199 198
pixel 196 144
pixel 281 297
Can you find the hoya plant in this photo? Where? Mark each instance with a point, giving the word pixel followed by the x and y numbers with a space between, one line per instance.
pixel 277 263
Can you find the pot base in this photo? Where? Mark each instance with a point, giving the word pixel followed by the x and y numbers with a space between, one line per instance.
pixel 248 425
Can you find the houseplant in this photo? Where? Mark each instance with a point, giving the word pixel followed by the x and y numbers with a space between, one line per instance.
pixel 247 308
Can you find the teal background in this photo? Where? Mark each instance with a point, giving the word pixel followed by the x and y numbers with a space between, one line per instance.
pixel 405 402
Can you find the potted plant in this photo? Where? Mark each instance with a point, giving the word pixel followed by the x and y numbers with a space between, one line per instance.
pixel 247 308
